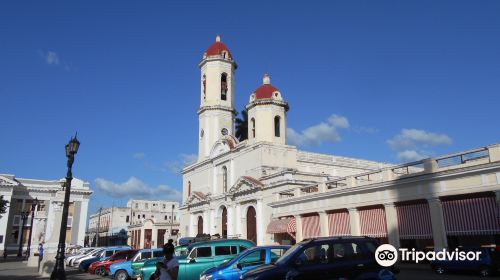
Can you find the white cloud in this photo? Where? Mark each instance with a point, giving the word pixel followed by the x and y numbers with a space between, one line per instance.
pixel 135 188
pixel 412 144
pixel 51 58
pixel 184 160
pixel 320 133
pixel 139 156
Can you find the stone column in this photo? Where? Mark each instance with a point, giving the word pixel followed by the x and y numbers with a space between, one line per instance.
pixel 51 238
pixel 354 222
pixel 260 223
pixel 239 229
pixel 391 217
pixel 206 221
pixel 298 234
pixel 437 220
pixel 323 223
pixel 230 220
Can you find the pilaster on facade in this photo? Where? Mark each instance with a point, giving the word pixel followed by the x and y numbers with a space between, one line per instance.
pixel 354 221
pixel 299 233
pixel 391 217
pixel 438 226
pixel 323 223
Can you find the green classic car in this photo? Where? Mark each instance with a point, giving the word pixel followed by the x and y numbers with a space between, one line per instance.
pixel 202 255
pixel 180 252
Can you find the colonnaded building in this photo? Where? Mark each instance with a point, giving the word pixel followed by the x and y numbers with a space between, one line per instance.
pixel 267 191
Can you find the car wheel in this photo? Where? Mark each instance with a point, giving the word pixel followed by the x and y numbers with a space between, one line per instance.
pixel 439 269
pixel 121 275
pixel 485 271
pixel 100 271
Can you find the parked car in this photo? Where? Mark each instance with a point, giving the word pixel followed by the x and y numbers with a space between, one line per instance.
pixel 101 267
pixel 487 265
pixel 124 270
pixel 325 258
pixel 202 256
pixel 247 260
pixel 185 240
pixel 104 255
pixel 76 262
pixel 181 251
pixel 84 251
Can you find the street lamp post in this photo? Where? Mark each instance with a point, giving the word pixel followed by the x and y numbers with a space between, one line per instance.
pixel 58 272
pixel 24 216
pixel 33 206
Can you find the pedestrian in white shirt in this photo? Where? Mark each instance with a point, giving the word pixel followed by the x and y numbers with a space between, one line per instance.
pixel 169 266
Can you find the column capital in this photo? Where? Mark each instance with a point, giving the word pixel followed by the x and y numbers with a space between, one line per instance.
pixel 389 204
pixel 321 212
pixel 352 209
pixel 434 200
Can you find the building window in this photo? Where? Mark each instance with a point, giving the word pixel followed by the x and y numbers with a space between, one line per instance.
pixel 253 127
pixel 147 205
pixel 204 87
pixel 166 218
pixel 189 188
pixel 138 216
pixel 143 216
pixel 127 219
pixel 277 126
pixel 224 179
pixel 136 205
pixel 223 86
pixel 175 218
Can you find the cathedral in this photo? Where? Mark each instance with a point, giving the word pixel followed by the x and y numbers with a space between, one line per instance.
pixel 270 192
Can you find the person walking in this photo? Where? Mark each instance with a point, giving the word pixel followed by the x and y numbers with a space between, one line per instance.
pixel 40 254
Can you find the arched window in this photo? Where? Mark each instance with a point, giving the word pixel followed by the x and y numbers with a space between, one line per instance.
pixel 223 86
pixel 277 126
pixel 189 188
pixel 204 87
pixel 224 179
pixel 253 127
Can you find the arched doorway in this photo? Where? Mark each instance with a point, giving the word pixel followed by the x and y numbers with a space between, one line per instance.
pixel 200 225
pixel 251 224
pixel 224 221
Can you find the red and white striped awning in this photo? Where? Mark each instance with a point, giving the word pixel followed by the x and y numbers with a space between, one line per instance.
pixel 284 225
pixel 310 226
pixel 471 216
pixel 373 222
pixel 414 221
pixel 278 226
pixel 338 223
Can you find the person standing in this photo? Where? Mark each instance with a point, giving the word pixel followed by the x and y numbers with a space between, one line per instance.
pixel 40 254
pixel 168 268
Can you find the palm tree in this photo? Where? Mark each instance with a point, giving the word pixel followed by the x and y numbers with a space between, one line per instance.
pixel 242 126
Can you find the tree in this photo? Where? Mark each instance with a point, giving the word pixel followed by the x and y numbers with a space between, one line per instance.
pixel 3 205
pixel 242 126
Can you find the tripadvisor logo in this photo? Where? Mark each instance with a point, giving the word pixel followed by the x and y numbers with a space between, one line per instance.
pixel 387 255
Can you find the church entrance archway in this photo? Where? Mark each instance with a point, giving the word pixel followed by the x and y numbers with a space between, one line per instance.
pixel 224 222
pixel 200 225
pixel 251 224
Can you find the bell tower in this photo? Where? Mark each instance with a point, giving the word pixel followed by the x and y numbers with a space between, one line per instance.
pixel 216 113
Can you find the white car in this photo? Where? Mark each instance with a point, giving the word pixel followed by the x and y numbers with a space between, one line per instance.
pixel 72 260
pixel 94 253
pixel 80 253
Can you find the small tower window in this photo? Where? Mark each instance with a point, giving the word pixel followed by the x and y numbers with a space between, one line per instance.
pixel 277 126
pixel 204 87
pixel 223 86
pixel 224 179
pixel 189 188
pixel 253 127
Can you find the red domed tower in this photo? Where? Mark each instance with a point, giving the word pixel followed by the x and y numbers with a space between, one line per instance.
pixel 216 113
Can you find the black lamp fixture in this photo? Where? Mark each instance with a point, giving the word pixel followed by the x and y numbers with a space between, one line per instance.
pixel 58 272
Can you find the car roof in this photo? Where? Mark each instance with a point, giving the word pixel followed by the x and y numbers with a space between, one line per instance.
pixel 223 242
pixel 339 238
pixel 150 249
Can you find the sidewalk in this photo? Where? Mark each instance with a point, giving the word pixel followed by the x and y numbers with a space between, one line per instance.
pixel 15 269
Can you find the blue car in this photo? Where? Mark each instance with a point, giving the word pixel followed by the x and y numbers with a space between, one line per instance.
pixel 249 259
pixel 125 270
pixel 105 254
pixel 488 263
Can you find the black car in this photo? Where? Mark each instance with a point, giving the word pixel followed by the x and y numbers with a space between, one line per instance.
pixel 488 263
pixel 326 258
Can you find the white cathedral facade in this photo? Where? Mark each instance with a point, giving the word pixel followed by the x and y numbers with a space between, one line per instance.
pixel 265 190
pixel 229 189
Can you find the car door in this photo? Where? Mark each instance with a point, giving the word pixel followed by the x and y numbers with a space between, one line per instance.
pixel 250 261
pixel 311 263
pixel 198 260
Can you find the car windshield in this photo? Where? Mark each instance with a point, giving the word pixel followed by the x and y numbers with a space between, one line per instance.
pixel 289 253
pixel 118 256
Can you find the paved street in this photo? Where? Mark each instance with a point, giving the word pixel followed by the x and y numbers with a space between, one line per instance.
pixel 12 269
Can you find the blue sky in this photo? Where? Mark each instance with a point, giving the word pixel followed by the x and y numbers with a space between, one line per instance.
pixel 380 80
